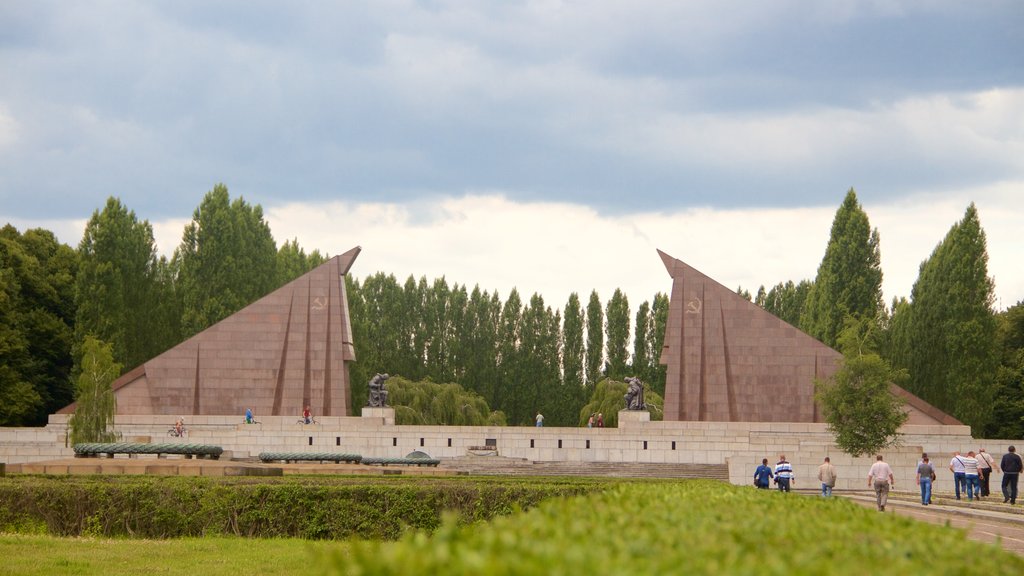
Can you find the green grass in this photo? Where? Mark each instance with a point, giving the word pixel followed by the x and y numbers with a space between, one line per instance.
pixel 32 555
pixel 674 527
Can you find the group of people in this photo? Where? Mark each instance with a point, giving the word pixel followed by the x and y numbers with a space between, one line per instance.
pixel 971 475
pixel 596 419
pixel 307 416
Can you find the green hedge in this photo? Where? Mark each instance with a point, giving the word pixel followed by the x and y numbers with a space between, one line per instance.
pixel 304 507
pixel 689 527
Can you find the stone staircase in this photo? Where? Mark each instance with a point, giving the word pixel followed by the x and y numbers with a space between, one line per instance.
pixel 501 466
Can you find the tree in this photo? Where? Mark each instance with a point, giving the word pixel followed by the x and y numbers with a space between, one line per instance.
pixel 858 404
pixel 573 350
pixel 642 356
pixel 431 404
pixel 117 287
pixel 510 361
pixel 617 332
pixel 227 259
pixel 656 337
pixel 1008 406
pixel 93 419
pixel 595 340
pixel 947 336
pixel 292 261
pixel 849 280
pixel 37 310
pixel 786 300
pixel 608 399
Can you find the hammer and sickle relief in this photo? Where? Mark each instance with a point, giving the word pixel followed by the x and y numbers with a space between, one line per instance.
pixel 694 306
pixel 318 304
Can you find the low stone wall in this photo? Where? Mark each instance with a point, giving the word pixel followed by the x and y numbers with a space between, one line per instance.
pixel 740 445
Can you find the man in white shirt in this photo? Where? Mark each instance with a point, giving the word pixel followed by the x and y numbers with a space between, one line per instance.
pixel 880 478
pixel 956 466
pixel 971 475
pixel 986 464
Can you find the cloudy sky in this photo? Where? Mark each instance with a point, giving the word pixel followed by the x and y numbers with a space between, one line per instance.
pixel 551 146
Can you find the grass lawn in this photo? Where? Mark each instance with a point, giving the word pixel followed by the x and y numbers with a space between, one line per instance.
pixel 31 555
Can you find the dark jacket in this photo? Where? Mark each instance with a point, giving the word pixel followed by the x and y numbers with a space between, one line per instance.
pixel 1011 463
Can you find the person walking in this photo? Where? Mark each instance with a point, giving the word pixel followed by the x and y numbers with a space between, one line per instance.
pixel 763 475
pixel 971 476
pixel 827 475
pixel 956 466
pixel 1011 465
pixel 925 474
pixel 540 420
pixel 784 474
pixel 986 464
pixel 880 478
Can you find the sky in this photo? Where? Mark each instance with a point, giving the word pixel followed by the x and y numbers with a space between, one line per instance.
pixel 544 145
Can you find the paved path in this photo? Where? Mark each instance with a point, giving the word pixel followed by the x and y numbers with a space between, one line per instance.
pixel 987 521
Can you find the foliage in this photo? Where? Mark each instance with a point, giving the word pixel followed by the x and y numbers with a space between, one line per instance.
pixel 292 261
pixel 306 507
pixel 785 300
pixel 595 340
pixel 660 528
pixel 617 334
pixel 93 420
pixel 425 402
pixel 41 555
pixel 118 297
pixel 946 337
pixel 609 398
pixel 849 280
pixel 226 260
pixel 1008 406
pixel 36 318
pixel 860 408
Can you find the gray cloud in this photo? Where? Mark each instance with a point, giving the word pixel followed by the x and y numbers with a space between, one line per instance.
pixel 623 106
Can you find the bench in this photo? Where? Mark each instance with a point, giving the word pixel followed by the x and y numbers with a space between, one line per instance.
pixel 321 457
pixel 94 449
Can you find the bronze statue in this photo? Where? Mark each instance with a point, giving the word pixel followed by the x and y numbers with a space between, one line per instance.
pixel 378 395
pixel 635 394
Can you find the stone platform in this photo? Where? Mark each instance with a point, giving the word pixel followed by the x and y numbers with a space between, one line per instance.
pixel 190 467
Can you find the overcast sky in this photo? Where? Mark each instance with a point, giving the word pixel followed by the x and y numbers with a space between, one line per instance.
pixel 551 146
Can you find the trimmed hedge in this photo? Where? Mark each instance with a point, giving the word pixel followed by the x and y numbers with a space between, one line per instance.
pixel 303 507
pixel 686 527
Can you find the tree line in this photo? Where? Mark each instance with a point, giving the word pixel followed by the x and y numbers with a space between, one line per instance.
pixel 520 355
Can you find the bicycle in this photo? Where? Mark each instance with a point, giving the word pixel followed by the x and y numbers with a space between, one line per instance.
pixel 174 432
pixel 312 420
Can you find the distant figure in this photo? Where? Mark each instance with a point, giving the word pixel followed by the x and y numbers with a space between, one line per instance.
pixel 784 476
pixel 827 475
pixel 590 421
pixel 634 394
pixel 1011 465
pixel 307 416
pixel 971 476
pixel 179 427
pixel 986 464
pixel 880 478
pixel 762 475
pixel 925 473
pixel 956 466
pixel 378 394
pixel 600 420
pixel 540 420
pixel 248 416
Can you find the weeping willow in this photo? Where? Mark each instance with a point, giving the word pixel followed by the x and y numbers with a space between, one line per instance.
pixel 93 420
pixel 427 402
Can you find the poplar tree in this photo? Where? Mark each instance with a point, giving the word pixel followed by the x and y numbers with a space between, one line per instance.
pixel 949 330
pixel 849 280
pixel 481 336
pixel 118 296
pixel 572 342
pixel 509 361
pixel 786 300
pixel 617 333
pixel 227 259
pixel 642 364
pixel 656 337
pixel 595 340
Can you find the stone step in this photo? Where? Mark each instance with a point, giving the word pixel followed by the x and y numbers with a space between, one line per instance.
pixel 501 466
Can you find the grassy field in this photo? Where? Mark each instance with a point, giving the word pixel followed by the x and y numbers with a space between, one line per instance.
pixel 32 555
pixel 687 527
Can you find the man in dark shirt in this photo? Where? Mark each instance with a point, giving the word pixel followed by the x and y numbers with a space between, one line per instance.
pixel 1011 465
